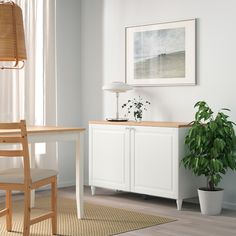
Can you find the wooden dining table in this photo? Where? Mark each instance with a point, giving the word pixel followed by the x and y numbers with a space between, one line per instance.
pixel 41 134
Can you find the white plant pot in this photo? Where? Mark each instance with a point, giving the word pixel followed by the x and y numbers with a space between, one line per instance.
pixel 211 201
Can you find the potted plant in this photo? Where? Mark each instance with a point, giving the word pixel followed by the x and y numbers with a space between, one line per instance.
pixel 211 143
pixel 138 106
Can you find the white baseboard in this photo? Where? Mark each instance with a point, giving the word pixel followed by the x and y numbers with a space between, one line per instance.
pixel 226 205
pixel 229 205
pixel 86 182
pixel 66 184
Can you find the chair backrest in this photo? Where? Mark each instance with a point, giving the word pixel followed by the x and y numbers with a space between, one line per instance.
pixel 12 134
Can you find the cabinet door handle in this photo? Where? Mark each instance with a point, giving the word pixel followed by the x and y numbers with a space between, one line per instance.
pixel 130 128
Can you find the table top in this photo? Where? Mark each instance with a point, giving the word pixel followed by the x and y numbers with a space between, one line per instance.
pixel 143 123
pixel 45 129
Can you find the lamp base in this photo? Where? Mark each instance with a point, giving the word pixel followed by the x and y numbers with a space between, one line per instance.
pixel 117 119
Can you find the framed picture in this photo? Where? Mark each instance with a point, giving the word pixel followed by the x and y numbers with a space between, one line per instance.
pixel 161 54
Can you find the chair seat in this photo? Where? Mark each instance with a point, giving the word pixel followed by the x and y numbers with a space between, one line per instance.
pixel 16 175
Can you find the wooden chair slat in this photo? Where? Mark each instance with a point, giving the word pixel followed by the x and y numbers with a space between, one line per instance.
pixel 3 212
pixel 11 139
pixel 11 153
pixel 16 125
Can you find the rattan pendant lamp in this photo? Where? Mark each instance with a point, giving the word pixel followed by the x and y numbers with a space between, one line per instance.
pixel 12 39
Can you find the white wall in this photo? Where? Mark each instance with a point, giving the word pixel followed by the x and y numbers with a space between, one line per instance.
pixel 103 59
pixel 68 81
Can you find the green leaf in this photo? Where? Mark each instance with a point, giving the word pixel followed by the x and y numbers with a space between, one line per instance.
pixel 211 144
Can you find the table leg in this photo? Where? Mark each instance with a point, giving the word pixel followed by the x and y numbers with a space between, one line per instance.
pixel 80 176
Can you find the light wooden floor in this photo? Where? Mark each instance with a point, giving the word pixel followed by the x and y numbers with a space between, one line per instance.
pixel 189 221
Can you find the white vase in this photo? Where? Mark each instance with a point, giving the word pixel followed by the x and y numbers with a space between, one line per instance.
pixel 138 118
pixel 211 201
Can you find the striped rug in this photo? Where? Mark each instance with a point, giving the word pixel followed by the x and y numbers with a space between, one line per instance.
pixel 99 220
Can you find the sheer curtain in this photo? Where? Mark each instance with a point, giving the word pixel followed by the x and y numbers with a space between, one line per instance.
pixel 30 93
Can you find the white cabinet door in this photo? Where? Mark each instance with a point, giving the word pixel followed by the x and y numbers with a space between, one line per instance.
pixel 109 157
pixel 153 159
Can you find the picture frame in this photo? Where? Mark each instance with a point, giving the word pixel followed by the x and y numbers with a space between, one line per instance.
pixel 161 54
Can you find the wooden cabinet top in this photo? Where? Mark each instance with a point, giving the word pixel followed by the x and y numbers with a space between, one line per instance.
pixel 143 123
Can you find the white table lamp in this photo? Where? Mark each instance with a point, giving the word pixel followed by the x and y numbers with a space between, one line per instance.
pixel 117 87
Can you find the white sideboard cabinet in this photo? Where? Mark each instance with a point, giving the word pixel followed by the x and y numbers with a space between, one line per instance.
pixel 140 157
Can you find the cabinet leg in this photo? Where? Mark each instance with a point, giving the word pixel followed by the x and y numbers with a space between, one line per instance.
pixel 93 190
pixel 179 204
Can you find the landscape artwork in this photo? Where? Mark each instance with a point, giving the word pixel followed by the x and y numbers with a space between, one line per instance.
pixel 161 54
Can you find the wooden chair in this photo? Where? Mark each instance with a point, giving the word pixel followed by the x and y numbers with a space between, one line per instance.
pixel 24 179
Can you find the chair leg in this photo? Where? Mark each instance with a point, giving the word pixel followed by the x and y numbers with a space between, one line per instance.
pixel 26 229
pixel 54 205
pixel 9 207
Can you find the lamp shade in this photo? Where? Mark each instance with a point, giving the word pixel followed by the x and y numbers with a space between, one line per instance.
pixel 117 87
pixel 12 39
